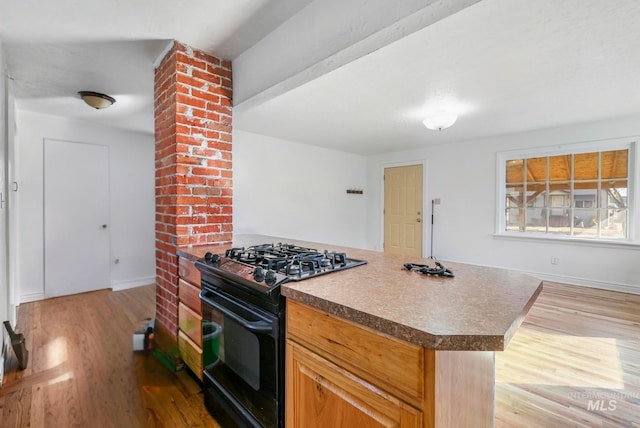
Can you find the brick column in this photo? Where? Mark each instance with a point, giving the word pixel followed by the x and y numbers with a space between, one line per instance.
pixel 193 167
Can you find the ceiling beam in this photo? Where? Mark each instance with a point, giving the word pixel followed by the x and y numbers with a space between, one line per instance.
pixel 325 36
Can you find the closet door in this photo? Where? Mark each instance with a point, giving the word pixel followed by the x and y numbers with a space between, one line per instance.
pixel 76 217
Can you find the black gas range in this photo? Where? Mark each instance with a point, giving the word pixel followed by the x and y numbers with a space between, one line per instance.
pixel 255 273
pixel 243 317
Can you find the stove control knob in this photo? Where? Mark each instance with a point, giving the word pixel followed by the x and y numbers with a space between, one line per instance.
pixel 211 258
pixel 270 277
pixel 258 274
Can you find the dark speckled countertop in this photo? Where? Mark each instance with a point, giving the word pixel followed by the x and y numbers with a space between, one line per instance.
pixel 479 309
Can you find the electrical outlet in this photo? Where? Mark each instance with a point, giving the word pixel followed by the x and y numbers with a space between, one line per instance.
pixel 555 260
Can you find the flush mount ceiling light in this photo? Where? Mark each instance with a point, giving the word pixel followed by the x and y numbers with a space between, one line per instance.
pixel 96 99
pixel 440 121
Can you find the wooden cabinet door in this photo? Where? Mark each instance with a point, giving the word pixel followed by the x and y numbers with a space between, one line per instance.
pixel 403 210
pixel 320 394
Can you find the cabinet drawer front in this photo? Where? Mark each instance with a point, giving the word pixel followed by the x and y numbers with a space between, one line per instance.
pixel 187 270
pixel 190 353
pixel 322 394
pixel 190 296
pixel 190 323
pixel 397 364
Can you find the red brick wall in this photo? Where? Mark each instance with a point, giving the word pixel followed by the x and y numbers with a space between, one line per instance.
pixel 193 109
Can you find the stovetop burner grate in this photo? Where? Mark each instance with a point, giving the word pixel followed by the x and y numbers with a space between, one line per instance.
pixel 263 268
pixel 288 259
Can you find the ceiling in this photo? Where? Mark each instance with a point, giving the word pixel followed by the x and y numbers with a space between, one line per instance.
pixel 503 66
pixel 55 49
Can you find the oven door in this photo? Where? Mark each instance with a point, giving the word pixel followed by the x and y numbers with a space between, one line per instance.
pixel 242 361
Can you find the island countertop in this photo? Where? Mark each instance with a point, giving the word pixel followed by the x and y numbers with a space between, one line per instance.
pixel 478 310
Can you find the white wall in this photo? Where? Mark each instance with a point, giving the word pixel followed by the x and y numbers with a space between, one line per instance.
pixel 286 189
pixel 4 278
pixel 463 176
pixel 132 192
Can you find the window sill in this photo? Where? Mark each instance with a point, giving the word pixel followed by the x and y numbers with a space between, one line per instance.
pixel 601 243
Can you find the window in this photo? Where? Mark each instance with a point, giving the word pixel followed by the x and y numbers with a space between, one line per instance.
pixel 577 191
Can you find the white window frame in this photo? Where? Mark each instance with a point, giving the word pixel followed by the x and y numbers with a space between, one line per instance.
pixel 633 215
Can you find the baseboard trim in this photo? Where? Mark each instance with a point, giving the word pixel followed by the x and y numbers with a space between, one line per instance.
pixel 570 280
pixel 31 297
pixel 115 286
pixel 132 283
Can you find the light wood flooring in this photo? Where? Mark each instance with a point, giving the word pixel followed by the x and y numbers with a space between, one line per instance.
pixel 574 363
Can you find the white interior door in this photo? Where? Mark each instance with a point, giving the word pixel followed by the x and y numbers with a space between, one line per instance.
pixel 76 217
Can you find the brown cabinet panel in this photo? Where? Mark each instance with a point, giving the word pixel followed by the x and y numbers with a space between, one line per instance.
pixel 321 394
pixel 190 323
pixel 397 365
pixel 190 353
pixel 190 296
pixel 190 315
pixel 187 270
pixel 343 374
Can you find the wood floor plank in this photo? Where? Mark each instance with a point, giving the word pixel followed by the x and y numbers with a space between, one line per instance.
pixel 576 357
pixel 575 362
pixel 83 372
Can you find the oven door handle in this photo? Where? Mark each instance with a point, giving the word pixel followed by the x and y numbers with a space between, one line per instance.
pixel 260 327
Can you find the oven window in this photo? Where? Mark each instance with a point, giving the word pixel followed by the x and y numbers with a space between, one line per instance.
pixel 241 352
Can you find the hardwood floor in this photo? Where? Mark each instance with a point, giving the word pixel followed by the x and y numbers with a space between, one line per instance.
pixel 82 371
pixel 574 363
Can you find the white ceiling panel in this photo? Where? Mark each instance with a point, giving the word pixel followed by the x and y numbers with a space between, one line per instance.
pixel 502 65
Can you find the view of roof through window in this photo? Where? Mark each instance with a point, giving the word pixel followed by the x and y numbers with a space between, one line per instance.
pixel 582 194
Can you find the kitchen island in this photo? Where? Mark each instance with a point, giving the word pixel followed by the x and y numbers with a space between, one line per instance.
pixel 378 345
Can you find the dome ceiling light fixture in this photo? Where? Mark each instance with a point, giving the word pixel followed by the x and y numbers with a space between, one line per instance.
pixel 440 121
pixel 96 99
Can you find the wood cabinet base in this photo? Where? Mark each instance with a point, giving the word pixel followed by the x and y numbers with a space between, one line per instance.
pixel 321 394
pixel 190 353
pixel 463 387
pixel 190 315
pixel 353 388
